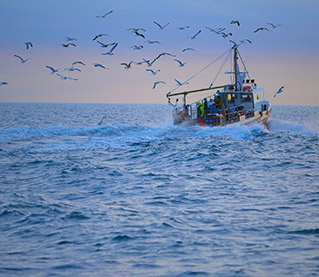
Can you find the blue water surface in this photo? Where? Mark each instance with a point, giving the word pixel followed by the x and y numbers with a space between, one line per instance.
pixel 138 196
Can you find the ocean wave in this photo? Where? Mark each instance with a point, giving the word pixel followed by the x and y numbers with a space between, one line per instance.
pixel 280 126
pixel 128 131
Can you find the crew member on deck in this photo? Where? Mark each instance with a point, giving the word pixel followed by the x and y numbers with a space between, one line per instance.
pixel 218 102
pixel 201 112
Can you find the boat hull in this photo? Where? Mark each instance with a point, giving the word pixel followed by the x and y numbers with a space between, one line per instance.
pixel 260 118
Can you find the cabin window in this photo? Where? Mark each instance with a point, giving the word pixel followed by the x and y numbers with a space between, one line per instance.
pixel 245 98
pixel 231 98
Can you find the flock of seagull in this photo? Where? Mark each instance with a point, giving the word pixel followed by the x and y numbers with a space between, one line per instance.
pixel 139 32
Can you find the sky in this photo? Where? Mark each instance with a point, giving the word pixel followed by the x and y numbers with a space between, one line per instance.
pixel 283 56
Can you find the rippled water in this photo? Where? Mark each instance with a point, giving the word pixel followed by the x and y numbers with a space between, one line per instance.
pixel 138 196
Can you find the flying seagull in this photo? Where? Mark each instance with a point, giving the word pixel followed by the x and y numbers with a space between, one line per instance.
pixel 136 30
pixel 235 44
pixel 135 47
pixel 72 69
pixel 243 41
pixel 67 45
pixel 261 29
pixel 235 22
pixel 183 28
pixel 127 65
pixel 158 82
pixel 78 62
pixel 188 49
pixel 224 35
pixel 21 59
pixel 279 91
pixel 105 45
pixel 111 50
pixel 3 83
pixel 53 70
pixel 160 26
pixel 28 44
pixel 103 16
pixel 65 77
pixel 153 41
pixel 194 36
pixel 139 34
pixel 273 25
pixel 178 83
pixel 181 64
pixel 97 36
pixel 100 65
pixel 152 71
pixel 70 39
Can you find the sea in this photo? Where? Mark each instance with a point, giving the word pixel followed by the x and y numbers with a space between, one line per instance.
pixel 139 196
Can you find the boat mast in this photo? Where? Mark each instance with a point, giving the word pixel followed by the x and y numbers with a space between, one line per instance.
pixel 235 68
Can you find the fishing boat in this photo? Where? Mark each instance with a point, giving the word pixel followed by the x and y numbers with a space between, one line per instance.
pixel 241 102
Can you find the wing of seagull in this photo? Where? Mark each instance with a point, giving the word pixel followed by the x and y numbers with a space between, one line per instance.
pixel 158 82
pixel 235 22
pixel 78 62
pixel 53 70
pixel 21 59
pixel 28 44
pixel 188 49
pixel 181 64
pixel 194 36
pixel 97 36
pixel 103 16
pixel 160 26
pixel 261 29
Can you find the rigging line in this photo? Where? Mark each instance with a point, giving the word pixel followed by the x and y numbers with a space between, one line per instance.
pixel 217 74
pixel 201 70
pixel 244 65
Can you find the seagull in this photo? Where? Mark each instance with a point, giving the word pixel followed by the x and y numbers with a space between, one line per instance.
pixel 273 25
pixel 139 34
pixel 67 45
pixel 136 30
pixel 180 63
pixel 21 59
pixel 28 44
pixel 178 83
pixel 261 29
pixel 153 72
pixel 158 82
pixel 215 30
pixel 153 41
pixel 78 62
pixel 3 83
pixel 53 70
pixel 160 26
pixel 100 65
pixel 70 39
pixel 183 28
pixel 105 45
pixel 111 50
pixel 235 22
pixel 235 44
pixel 127 65
pixel 139 63
pixel 103 16
pixel 66 78
pixel 188 49
pixel 194 36
pixel 97 36
pixel 135 47
pixel 279 91
pixel 224 35
pixel 72 69
pixel 148 62
pixel 243 41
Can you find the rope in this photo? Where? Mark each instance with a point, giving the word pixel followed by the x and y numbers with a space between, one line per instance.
pixel 193 76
